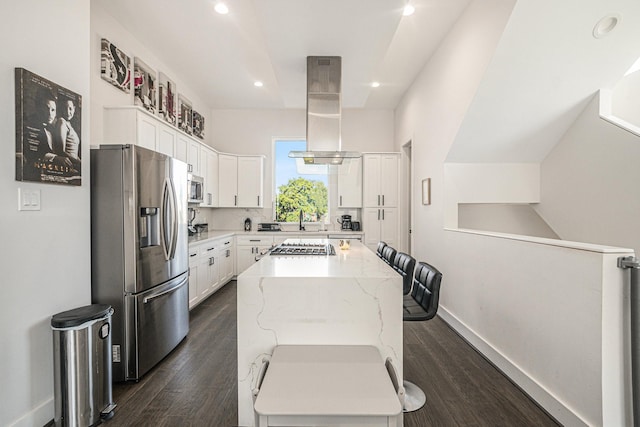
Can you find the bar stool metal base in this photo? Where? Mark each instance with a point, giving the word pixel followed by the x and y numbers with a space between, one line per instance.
pixel 414 397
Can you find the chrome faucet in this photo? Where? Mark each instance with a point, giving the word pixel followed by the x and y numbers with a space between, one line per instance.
pixel 301 226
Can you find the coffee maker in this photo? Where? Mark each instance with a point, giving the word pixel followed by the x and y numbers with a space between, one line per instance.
pixel 345 222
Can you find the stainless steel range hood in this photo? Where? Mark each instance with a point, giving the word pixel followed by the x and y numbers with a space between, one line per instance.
pixel 324 113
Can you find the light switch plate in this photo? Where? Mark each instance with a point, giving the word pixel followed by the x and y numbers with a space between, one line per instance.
pixel 28 200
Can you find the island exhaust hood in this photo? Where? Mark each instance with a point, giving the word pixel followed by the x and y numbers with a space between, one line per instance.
pixel 324 111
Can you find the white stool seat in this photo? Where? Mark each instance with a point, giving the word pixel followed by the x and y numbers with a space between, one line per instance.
pixel 307 385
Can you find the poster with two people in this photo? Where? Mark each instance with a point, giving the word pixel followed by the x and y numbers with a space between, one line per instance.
pixel 48 120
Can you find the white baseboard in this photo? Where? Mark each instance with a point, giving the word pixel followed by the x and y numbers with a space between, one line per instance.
pixel 556 408
pixel 38 416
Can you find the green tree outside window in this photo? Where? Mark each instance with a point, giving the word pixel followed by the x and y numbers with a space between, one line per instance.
pixel 301 194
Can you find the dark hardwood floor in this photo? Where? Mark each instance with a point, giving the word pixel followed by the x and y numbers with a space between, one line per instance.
pixel 196 384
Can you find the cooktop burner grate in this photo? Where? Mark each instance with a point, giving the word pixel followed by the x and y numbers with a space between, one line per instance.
pixel 304 249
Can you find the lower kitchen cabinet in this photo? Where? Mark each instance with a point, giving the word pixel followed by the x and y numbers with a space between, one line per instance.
pixel 194 266
pixel 249 247
pixel 210 267
pixel 227 261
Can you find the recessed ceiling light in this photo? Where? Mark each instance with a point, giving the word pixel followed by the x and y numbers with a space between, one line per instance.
pixel 606 25
pixel 375 84
pixel 258 84
pixel 221 8
pixel 408 10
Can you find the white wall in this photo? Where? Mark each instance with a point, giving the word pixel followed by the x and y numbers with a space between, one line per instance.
pixel 589 183
pixel 488 183
pixel 252 132
pixel 104 94
pixel 432 111
pixel 46 254
pixel 626 98
pixel 519 219
pixel 494 291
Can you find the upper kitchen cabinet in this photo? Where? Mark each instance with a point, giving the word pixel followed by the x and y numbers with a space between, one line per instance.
pixel 133 125
pixel 250 181
pixel 240 181
pixel 193 155
pixel 209 172
pixel 350 184
pixel 380 177
pixel 227 181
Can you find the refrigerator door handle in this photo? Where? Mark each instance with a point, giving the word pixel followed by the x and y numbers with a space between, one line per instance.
pixel 169 220
pixel 153 296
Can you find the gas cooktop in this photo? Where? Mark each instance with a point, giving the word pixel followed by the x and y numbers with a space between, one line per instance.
pixel 321 249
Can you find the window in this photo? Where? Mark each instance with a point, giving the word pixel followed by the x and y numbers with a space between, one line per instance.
pixel 295 191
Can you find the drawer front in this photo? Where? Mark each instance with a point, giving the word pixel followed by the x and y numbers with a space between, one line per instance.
pixel 254 240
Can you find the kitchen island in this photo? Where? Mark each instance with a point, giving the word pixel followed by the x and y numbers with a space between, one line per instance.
pixel 350 298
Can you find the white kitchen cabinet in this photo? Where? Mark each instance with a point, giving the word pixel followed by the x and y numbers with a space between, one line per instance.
pixel 209 172
pixel 381 224
pixel 226 255
pixel 350 184
pixel 240 181
pixel 381 180
pixel 250 181
pixel 248 247
pixel 182 148
pixel 208 270
pixel 134 125
pixel 166 140
pixel 227 181
pixel 193 155
pixel 380 198
pixel 194 267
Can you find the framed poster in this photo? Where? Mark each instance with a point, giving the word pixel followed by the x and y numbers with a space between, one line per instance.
pixel 185 115
pixel 48 120
pixel 166 98
pixel 114 66
pixel 198 125
pixel 144 86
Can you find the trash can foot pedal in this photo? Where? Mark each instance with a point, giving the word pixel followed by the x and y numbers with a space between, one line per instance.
pixel 108 413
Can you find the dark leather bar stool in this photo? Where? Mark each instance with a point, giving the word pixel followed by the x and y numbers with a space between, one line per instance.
pixel 404 264
pixel 388 255
pixel 381 246
pixel 421 304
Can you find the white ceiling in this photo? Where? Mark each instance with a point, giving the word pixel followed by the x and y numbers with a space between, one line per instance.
pixel 546 68
pixel 269 40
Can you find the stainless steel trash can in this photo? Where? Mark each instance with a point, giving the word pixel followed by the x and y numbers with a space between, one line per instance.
pixel 82 365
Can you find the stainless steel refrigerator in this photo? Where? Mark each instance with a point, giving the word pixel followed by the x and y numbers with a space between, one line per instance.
pixel 139 253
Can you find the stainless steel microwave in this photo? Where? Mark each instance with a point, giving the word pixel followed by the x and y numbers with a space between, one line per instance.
pixel 195 190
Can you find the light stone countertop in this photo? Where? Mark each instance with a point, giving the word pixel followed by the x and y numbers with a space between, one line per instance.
pixel 216 234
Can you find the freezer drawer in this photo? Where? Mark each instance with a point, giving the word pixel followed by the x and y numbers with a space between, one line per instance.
pixel 158 321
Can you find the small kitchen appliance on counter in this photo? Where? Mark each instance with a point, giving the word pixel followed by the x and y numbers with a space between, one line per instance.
pixel 247 224
pixel 269 226
pixel 345 222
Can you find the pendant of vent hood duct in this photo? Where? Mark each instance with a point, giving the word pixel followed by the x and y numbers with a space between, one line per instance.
pixel 324 113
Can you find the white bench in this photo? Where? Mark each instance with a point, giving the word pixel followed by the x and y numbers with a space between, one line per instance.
pixel 328 385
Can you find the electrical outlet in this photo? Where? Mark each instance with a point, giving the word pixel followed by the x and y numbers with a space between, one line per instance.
pixel 28 200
